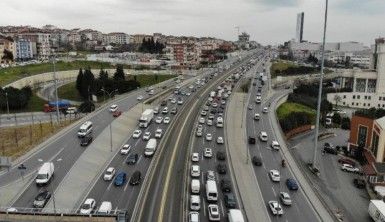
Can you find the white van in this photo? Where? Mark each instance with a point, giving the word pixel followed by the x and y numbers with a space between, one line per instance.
pixel 45 173
pixel 105 208
pixel 150 148
pixel 235 215
pixel 195 186
pixel 220 122
pixel 211 191
pixel 195 202
pixel 85 129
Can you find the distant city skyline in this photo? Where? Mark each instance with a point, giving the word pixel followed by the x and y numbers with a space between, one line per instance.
pixel 267 21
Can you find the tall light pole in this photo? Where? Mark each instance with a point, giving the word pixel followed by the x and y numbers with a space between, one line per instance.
pixel 320 89
pixel 55 81
pixel 6 98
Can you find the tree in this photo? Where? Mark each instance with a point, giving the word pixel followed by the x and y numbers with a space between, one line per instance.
pixel 336 118
pixel 119 74
pixel 87 87
pixel 79 80
pixel 103 75
pixel 347 62
pixel 337 98
pixel 7 55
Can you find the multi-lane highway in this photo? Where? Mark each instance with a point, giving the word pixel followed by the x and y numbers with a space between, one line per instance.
pixel 301 209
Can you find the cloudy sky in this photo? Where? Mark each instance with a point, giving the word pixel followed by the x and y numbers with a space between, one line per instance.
pixel 267 21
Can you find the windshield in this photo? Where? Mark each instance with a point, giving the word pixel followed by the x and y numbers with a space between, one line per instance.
pixel 41 176
pixel 40 197
pixel 86 206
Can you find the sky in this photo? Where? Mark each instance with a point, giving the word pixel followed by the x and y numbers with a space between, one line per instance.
pixel 267 21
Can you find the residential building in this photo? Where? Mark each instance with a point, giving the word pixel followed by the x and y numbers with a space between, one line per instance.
pixel 138 38
pixel 25 49
pixel 119 38
pixel 299 27
pixel 8 44
pixel 43 45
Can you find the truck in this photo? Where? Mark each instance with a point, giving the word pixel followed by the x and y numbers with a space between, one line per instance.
pixel 377 210
pixel 150 148
pixel 146 118
pixel 51 106
pixel 235 215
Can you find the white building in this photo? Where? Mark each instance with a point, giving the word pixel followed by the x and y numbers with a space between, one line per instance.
pixel 368 86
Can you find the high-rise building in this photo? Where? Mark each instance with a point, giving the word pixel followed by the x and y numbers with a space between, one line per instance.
pixel 299 29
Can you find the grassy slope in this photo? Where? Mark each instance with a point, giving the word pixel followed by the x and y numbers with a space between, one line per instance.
pixel 68 91
pixel 289 107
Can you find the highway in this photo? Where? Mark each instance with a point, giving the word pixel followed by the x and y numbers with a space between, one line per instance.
pixel 301 210
pixel 162 196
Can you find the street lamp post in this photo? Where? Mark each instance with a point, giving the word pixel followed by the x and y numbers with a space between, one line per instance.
pixel 6 98
pixel 109 96
pixel 56 95
pixel 320 90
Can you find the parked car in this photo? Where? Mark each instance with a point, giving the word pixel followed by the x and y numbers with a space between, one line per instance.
pixel 347 161
pixel 136 178
pixel 349 168
pixel 291 184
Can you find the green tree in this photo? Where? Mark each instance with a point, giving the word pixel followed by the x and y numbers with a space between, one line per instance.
pixel 79 80
pixel 119 74
pixel 7 55
pixel 103 75
pixel 87 87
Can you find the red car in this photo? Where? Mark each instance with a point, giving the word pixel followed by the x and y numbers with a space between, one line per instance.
pixel 117 113
pixel 346 161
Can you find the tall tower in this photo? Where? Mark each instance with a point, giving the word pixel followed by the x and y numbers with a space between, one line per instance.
pixel 299 28
pixel 379 64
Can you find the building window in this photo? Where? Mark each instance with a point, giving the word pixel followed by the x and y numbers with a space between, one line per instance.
pixel 362 131
pixel 356 104
pixel 354 96
pixel 375 144
pixel 358 96
pixel 365 97
pixel 378 105
pixel 368 104
pixel 369 97
pixel 352 104
pixel 379 98
pixel 343 103
pixel 364 104
pixel 344 96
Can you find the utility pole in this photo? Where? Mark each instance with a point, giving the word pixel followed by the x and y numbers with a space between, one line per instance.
pixel 55 81
pixel 320 91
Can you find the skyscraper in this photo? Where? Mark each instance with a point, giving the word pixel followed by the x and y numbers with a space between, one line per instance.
pixel 299 30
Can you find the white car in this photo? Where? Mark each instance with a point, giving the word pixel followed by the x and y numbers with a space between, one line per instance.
pixel 214 212
pixel 159 119
pixel 285 198
pixel 275 145
pixel 88 206
pixel 349 168
pixel 156 110
pixel 275 208
pixel 202 120
pixel 180 102
pixel 256 116
pixel 210 175
pixel 211 116
pixel 195 171
pixel 137 134
pixel 203 113
pixel 209 137
pixel 165 110
pixel 113 108
pixel 193 217
pixel 209 122
pixel 147 136
pixel 208 153
pixel 158 133
pixel 263 136
pixel 214 105
pixel 223 102
pixel 125 149
pixel 220 140
pixel 166 120
pixel 195 157
pixel 109 174
pixel 274 175
pixel 250 107
pixel 139 98
pixel 199 132
pixel 173 100
pixel 265 110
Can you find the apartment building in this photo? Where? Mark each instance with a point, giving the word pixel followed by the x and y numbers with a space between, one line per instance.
pixel 25 49
pixel 43 44
pixel 7 44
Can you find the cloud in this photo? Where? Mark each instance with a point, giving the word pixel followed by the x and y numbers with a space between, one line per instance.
pixel 360 7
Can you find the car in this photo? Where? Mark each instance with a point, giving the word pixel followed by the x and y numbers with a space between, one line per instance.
pixel 41 199
pixel 195 171
pixel 173 100
pixel 193 217
pixel 156 110
pixel 291 184
pixel 85 141
pixel 349 168
pixel 209 137
pixel 195 157
pixel 251 140
pixel 250 107
pixel 219 140
pixel 174 111
pixel 165 110
pixel 120 179
pixel 359 183
pixel 158 133
pixel 221 155
pixel 328 145
pixel 214 105
pixel 139 98
pixel 210 175
pixel 199 132
pixel 223 102
pixel 159 119
pixel 263 136
pixel 146 136
pixel 210 99
pixel 132 158
pixel 213 210
pixel 151 92
pixel 275 208
pixel 195 202
pixel 229 200
pixel 203 113
pixel 285 198
pixel 166 120
pixel 275 145
pixel 205 108
pixel 88 206
pixel 225 185
pixel 347 161
pixel 202 120
pixel 265 110
pixel 109 174
pixel 274 175
pixel 137 134
pixel 208 153
pixel 113 108
pixel 163 103
pixel 209 122
pixel 180 101
pixel 125 149
pixel 221 168
pixel 135 178
pixel 330 150
pixel 211 116
pixel 256 116
pixel 117 113
pixel 187 94
pixel 256 161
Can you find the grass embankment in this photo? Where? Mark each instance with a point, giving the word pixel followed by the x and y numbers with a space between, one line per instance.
pixel 69 91
pixel 16 141
pixel 35 104
pixel 289 107
pixel 8 75
pixel 287 68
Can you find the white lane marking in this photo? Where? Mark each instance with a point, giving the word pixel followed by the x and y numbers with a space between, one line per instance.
pixel 223 210
pixel 275 194
pixel 125 187
pixel 137 141
pixel 140 158
pixel 109 186
pixel 204 207
pixel 202 178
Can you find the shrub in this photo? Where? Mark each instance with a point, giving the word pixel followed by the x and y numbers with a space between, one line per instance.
pixel 294 120
pixel 345 123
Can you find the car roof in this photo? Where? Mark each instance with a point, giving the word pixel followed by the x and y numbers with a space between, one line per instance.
pixel 89 200
pixel 110 169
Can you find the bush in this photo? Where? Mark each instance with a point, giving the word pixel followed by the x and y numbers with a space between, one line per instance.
pixel 336 118
pixel 295 120
pixel 87 107
pixel 17 98
pixel 345 123
pixel 371 113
